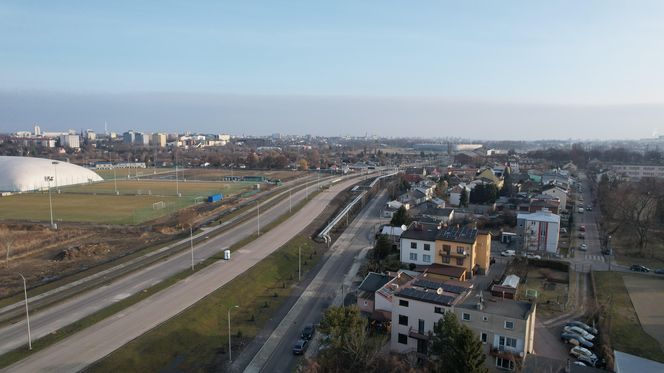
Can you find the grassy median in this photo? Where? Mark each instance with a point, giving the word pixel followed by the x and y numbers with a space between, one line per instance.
pixel 197 339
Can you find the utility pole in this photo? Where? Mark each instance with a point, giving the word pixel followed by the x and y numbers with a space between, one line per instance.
pixel 290 202
pixel 27 314
pixel 258 221
pixel 191 243
pixel 299 263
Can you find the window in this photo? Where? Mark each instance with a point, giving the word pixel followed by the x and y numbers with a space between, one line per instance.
pixel 403 303
pixel 507 342
pixel 413 245
pixel 509 324
pixel 427 247
pixel 460 250
pixel 446 259
pixel 420 326
pixel 413 256
pixel 459 261
pixel 465 316
pixel 426 258
pixel 403 320
pixel 504 363
pixel 366 303
pixel 438 310
pixel 446 249
pixel 483 337
pixel 403 339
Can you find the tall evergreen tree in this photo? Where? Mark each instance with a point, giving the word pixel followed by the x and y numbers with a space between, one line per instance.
pixel 454 348
pixel 400 217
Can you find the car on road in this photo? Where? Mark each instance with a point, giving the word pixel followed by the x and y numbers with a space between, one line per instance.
pixel 575 339
pixel 607 252
pixel 508 253
pixel 582 236
pixel 659 271
pixel 579 351
pixel 300 347
pixel 582 228
pixel 563 230
pixel 639 268
pixel 583 326
pixel 533 256
pixel 583 247
pixel 308 332
pixel 580 331
pixel 589 208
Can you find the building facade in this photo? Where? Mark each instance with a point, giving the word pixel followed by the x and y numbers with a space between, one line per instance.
pixel 538 231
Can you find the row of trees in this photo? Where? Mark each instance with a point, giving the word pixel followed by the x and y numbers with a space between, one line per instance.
pixel 350 347
pixel 580 155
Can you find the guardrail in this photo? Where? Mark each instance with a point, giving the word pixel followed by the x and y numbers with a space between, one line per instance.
pixel 325 233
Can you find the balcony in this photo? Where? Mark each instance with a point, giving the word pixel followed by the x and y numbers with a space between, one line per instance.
pixel 505 352
pixel 454 254
pixel 418 334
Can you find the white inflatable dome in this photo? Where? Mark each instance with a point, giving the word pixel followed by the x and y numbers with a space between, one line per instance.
pixel 21 174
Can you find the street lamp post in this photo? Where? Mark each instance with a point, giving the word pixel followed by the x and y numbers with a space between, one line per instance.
pixel 608 247
pixel 230 357
pixel 27 314
pixel 258 221
pixel 115 180
pixel 191 243
pixel 290 202
pixel 50 202
pixel 299 263
pixel 55 168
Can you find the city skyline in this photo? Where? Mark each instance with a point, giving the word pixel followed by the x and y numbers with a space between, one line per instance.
pixel 582 66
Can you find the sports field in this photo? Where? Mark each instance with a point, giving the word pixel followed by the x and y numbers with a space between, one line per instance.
pixel 137 201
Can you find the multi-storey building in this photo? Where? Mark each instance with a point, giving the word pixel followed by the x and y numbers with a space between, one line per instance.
pixel 465 248
pixel 637 172
pixel 538 231
pixel 506 327
pixel 159 139
pixel 418 244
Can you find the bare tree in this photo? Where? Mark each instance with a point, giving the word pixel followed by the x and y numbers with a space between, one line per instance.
pixel 636 208
pixel 7 239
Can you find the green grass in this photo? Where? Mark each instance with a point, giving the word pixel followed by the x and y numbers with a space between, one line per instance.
pixel 95 203
pixel 625 330
pixel 194 339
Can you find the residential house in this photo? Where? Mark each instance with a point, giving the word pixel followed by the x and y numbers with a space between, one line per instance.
pixel 418 243
pixel 367 291
pixel 383 297
pixel 558 192
pixel 539 231
pixel 455 194
pixel 441 215
pixel 392 233
pixel 544 202
pixel 506 327
pixel 465 248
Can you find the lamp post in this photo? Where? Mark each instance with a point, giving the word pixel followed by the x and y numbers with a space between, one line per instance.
pixel 608 247
pixel 191 243
pixel 290 202
pixel 230 357
pixel 258 221
pixel 27 314
pixel 55 168
pixel 50 203
pixel 299 263
pixel 115 180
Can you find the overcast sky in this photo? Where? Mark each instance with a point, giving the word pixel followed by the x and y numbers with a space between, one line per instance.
pixel 481 69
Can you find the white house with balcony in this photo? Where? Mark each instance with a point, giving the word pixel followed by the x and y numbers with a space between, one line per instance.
pixel 538 231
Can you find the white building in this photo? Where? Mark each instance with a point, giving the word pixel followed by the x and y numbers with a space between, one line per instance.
pixel 637 172
pixel 159 139
pixel 418 244
pixel 558 192
pixel 539 231
pixel 70 141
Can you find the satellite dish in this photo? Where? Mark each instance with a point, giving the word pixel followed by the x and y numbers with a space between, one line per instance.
pixel 439 291
pixel 403 227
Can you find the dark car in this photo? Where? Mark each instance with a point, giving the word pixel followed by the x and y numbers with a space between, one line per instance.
pixel 300 346
pixel 639 268
pixel 659 271
pixel 576 339
pixel 308 332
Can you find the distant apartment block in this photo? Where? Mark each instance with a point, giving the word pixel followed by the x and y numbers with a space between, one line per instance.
pixel 70 141
pixel 637 172
pixel 159 139
pixel 128 137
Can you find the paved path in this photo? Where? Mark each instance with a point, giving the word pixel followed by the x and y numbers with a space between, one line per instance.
pixel 324 290
pixel 99 340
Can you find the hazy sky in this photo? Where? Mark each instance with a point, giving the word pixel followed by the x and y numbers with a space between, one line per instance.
pixel 485 69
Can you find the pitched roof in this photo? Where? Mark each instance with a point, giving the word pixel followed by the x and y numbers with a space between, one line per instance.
pixel 374 281
pixel 419 231
pixel 441 269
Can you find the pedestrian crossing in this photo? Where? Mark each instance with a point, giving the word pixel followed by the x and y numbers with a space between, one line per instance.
pixel 596 258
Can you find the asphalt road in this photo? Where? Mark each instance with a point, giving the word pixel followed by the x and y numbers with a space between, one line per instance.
pixel 325 290
pixel 89 345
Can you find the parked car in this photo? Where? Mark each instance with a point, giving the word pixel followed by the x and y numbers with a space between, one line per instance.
pixel 639 268
pixel 508 253
pixel 492 260
pixel 585 360
pixel 300 346
pixel 659 271
pixel 579 331
pixel 563 230
pixel 576 340
pixel 583 326
pixel 308 332
pixel 607 252
pixel 533 256
pixel 583 247
pixel 579 351
pixel 582 236
pixel 582 228
pixel 589 208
